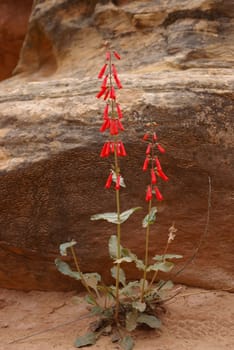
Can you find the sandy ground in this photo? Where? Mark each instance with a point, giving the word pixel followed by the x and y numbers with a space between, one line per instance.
pixel 195 320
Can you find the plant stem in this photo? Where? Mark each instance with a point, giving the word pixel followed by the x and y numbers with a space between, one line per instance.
pixel 81 275
pixel 146 254
pixel 156 272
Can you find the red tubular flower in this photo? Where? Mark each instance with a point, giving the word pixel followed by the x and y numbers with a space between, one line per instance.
pixel 120 114
pixel 117 55
pixel 154 137
pixel 158 194
pixel 108 55
pixel 101 92
pixel 105 150
pixel 117 186
pixel 112 93
pixel 113 127
pixel 106 94
pixel 158 164
pixel 146 163
pixel 148 195
pixel 105 113
pixel 148 149
pixel 114 70
pixel 146 136
pixel 112 147
pixel 120 125
pixel 102 71
pixel 105 125
pixel 104 82
pixel 122 149
pixel 118 83
pixel 163 175
pixel 109 181
pixel 160 148
pixel 153 177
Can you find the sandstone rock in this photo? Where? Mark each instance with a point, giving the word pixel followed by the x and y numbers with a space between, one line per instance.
pixel 178 72
pixel 13 27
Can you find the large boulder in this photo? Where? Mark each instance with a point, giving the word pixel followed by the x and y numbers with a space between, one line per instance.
pixel 176 69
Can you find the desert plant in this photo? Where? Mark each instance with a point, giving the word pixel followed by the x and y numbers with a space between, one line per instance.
pixel 127 304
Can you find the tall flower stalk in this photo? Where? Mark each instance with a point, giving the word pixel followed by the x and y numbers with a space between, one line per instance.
pixel 112 123
pixel 153 166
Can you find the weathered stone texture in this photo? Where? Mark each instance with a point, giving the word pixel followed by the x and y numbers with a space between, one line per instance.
pixel 176 68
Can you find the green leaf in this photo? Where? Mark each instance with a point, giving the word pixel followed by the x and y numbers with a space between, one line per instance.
pixel 131 320
pixel 85 340
pixel 122 277
pixel 64 246
pixel 150 218
pixel 167 285
pixel 113 217
pixel 167 256
pixel 90 299
pixel 161 266
pixel 92 280
pixel 129 288
pixel 124 259
pixel 139 306
pixel 65 269
pixel 127 343
pixel 151 321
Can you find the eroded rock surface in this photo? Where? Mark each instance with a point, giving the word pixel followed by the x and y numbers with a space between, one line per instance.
pixel 176 69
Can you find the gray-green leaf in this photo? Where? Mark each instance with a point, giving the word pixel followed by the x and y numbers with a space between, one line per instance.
pixel 139 306
pixel 64 246
pixel 167 256
pixel 65 269
pixel 127 343
pixel 113 217
pixel 131 320
pixel 85 340
pixel 161 266
pixel 122 277
pixel 92 280
pixel 151 321
pixel 150 218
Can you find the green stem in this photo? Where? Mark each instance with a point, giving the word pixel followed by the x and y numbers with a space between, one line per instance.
pixel 81 276
pixel 146 254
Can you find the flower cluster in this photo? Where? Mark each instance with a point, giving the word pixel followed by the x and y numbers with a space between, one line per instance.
pixel 152 163
pixel 112 116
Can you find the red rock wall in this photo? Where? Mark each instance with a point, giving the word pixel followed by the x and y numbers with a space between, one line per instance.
pixel 14 16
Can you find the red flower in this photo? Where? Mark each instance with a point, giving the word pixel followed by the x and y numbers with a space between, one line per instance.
pixel 146 136
pixel 102 71
pixel 117 55
pixel 148 195
pixel 117 186
pixel 113 127
pixel 158 164
pixel 105 125
pixel 118 83
pixel 163 175
pixel 101 92
pixel 122 150
pixel 105 113
pixel 153 177
pixel 114 70
pixel 146 163
pixel 154 137
pixel 158 194
pixel 105 150
pixel 120 125
pixel 108 55
pixel 109 181
pixel 106 94
pixel 120 114
pixel 104 82
pixel 148 149
pixel 160 148
pixel 112 93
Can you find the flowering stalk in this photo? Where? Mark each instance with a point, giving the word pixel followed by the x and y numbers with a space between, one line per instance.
pixel 113 147
pixel 153 165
